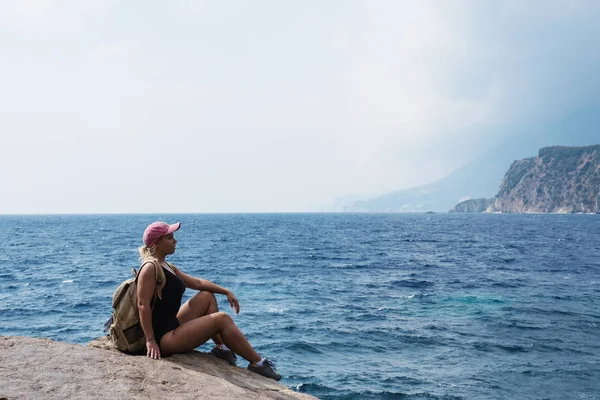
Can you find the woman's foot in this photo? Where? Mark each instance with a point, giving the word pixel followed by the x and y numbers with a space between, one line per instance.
pixel 267 368
pixel 226 355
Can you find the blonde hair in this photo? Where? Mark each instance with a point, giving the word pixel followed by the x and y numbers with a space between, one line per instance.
pixel 146 254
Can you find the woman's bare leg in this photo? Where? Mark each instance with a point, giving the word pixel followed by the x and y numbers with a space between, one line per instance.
pixel 197 331
pixel 203 303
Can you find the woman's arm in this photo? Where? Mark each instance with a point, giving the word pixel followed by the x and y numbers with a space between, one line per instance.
pixel 197 283
pixel 146 285
pixel 203 284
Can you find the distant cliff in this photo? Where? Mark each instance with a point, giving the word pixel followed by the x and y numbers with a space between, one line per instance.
pixel 479 178
pixel 472 206
pixel 559 180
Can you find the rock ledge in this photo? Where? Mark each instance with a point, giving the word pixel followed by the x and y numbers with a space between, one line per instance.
pixel 42 368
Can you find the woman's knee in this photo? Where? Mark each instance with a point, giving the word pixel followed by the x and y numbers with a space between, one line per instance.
pixel 222 319
pixel 204 297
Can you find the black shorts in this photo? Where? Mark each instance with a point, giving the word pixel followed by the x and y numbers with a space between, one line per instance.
pixel 164 327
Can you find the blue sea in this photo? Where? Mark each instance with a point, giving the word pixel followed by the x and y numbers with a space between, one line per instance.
pixel 349 306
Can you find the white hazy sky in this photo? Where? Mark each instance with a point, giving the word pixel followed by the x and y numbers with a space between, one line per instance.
pixel 271 106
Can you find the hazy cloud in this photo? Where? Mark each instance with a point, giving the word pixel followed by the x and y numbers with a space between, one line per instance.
pixel 273 106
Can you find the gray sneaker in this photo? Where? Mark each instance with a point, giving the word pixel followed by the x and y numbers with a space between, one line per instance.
pixel 266 369
pixel 226 355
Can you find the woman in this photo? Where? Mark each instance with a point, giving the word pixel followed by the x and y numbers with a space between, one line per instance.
pixel 171 328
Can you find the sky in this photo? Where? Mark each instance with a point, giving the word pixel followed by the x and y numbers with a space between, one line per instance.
pixel 111 106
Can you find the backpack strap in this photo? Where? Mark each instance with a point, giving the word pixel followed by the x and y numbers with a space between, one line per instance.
pixel 159 277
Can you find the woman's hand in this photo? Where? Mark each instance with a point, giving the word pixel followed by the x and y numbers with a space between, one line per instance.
pixel 153 351
pixel 233 302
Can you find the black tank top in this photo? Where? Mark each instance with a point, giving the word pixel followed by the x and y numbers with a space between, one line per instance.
pixel 164 313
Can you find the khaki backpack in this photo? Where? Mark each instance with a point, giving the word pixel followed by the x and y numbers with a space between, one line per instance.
pixel 125 329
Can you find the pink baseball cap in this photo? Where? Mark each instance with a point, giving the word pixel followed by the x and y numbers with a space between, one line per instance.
pixel 156 230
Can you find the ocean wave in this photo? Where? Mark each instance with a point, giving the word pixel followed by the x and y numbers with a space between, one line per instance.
pixel 508 348
pixel 21 311
pixel 12 286
pixel 255 267
pixel 68 329
pixel 325 393
pixel 508 284
pixel 402 380
pixel 421 240
pixel 277 310
pixel 447 260
pixel 394 338
pixel 436 327
pixel 473 300
pixel 351 266
pixel 82 305
pixel 315 389
pixel 289 327
pixel 304 346
pixel 252 283
pixel 325 257
pixel 364 317
pixel 411 283
pixel 106 283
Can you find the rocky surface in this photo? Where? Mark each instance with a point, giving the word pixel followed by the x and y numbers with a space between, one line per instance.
pixel 472 206
pixel 559 180
pixel 44 369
